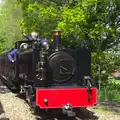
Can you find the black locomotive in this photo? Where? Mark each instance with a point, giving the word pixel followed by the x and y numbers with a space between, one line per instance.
pixel 50 76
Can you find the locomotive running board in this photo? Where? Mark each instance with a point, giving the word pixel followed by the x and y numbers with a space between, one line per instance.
pixel 9 84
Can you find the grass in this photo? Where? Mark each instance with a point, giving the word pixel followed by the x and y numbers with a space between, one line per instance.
pixel 111 92
pixel 102 108
pixel 115 81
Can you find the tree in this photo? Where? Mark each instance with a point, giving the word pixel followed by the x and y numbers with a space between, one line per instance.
pixel 82 22
pixel 10 17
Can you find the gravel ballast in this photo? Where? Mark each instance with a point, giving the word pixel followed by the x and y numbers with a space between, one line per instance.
pixel 15 108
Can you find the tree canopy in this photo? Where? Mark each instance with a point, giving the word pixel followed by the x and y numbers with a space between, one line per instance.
pixel 10 16
pixel 90 23
pixel 94 24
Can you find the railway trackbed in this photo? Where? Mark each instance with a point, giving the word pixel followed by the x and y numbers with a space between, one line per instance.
pixel 14 108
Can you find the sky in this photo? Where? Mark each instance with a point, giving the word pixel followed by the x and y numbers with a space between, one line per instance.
pixel 1 1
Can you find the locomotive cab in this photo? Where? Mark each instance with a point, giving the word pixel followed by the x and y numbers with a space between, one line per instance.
pixel 27 57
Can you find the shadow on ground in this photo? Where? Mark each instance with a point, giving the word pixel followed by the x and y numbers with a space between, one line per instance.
pixel 83 114
pixel 2 111
pixel 4 119
pixel 111 105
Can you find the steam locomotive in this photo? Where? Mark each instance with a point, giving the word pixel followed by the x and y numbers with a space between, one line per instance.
pixel 51 77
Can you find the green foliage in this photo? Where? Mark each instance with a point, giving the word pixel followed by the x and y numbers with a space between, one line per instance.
pixel 110 93
pixel 114 81
pixel 40 18
pixel 9 21
pixel 107 62
pixel 82 23
pixel 79 20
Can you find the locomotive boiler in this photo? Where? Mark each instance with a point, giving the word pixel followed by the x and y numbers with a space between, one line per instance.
pixel 50 76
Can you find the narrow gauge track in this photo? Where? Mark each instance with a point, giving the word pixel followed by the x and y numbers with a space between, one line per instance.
pixel 44 116
pixel 84 114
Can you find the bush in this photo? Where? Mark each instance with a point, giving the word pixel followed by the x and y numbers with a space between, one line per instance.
pixel 110 93
pixel 103 65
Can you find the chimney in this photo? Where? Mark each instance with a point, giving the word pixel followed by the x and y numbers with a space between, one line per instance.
pixel 57 39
